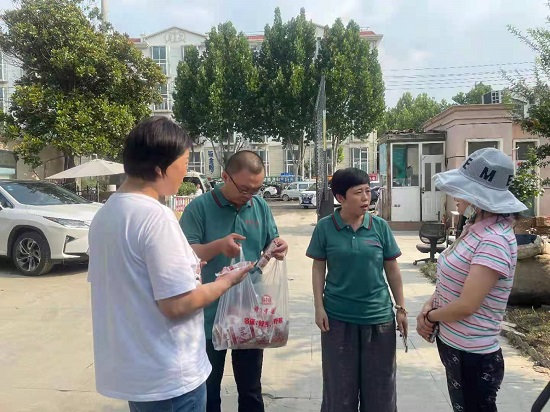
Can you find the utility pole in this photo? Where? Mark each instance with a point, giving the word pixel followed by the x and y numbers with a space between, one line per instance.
pixel 104 11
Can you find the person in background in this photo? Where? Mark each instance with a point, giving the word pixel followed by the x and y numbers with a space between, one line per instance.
pixel 217 225
pixel 474 279
pixel 147 299
pixel 198 192
pixel 353 307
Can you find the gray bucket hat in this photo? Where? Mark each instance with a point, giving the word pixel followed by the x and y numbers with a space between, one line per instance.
pixel 483 180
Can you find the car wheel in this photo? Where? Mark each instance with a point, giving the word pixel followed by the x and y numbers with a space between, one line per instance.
pixel 31 254
pixel 267 195
pixel 286 198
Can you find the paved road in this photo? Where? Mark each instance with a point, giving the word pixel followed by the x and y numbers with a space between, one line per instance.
pixel 46 349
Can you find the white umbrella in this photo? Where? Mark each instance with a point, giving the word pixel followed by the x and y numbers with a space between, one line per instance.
pixel 92 168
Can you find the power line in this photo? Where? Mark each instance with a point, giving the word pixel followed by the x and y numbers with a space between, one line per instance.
pixel 456 67
pixel 486 80
pixel 456 74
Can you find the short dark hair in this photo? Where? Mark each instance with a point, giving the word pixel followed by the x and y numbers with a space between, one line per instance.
pixel 344 179
pixel 245 159
pixel 155 142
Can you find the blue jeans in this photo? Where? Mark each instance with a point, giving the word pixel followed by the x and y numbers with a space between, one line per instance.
pixel 194 401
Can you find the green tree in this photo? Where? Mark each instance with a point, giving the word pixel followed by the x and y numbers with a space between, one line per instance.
pixel 412 112
pixel 84 85
pixel 354 85
pixel 536 94
pixel 215 94
pixel 288 87
pixel 474 96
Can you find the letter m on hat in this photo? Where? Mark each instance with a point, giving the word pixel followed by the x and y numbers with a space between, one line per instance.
pixel 488 176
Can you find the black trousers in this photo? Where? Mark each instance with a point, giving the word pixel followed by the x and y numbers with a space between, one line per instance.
pixel 247 369
pixel 359 367
pixel 473 379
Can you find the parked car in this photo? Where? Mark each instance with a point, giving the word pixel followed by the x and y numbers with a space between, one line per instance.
pixel 269 192
pixel 293 190
pixel 42 224
pixel 308 198
pixel 198 179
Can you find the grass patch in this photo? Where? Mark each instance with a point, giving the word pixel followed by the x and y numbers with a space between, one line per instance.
pixel 429 270
pixel 535 325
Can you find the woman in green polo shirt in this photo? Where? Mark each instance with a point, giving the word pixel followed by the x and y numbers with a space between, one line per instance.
pixel 353 308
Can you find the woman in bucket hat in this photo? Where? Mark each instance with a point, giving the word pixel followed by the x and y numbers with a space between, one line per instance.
pixel 474 279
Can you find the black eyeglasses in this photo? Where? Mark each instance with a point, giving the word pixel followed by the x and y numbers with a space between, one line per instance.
pixel 244 192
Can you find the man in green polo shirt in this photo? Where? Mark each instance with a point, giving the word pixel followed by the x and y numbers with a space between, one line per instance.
pixel 353 307
pixel 218 224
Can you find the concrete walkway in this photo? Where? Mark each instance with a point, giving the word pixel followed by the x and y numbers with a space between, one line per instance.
pixel 46 358
pixel 292 375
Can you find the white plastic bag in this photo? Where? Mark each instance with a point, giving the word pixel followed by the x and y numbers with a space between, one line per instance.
pixel 254 314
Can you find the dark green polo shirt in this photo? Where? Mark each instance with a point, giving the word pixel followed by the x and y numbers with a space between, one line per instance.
pixel 211 217
pixel 355 287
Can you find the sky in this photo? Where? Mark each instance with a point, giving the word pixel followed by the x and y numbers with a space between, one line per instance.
pixel 440 47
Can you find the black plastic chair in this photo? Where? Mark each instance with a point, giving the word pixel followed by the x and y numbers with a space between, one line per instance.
pixel 433 237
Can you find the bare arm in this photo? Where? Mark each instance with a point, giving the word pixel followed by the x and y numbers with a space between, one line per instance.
pixel 318 279
pixel 393 273
pixel 227 245
pixel 318 272
pixel 208 251
pixel 182 305
pixel 477 286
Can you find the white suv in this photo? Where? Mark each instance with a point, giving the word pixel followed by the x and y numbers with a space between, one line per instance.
pixel 308 198
pixel 293 190
pixel 42 224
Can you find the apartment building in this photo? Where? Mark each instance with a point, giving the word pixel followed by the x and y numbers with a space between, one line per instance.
pixel 167 48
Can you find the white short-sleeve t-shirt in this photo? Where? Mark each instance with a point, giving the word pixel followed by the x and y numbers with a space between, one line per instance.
pixel 139 255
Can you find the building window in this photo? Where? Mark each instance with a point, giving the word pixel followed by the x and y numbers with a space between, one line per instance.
pixel 166 100
pixel 496 97
pixel 473 145
pixel 7 165
pixel 3 68
pixel 3 99
pixel 290 157
pixel 523 150
pixel 330 170
pixel 264 155
pixel 160 56
pixel 360 158
pixel 195 162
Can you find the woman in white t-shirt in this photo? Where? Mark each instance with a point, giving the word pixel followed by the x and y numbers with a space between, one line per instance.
pixel 147 298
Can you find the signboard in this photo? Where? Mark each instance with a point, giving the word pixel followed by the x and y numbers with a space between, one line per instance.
pixel 374 177
pixel 211 161
pixel 180 202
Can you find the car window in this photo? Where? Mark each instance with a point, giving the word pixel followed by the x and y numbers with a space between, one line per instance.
pixel 313 187
pixel 292 186
pixel 4 202
pixel 41 194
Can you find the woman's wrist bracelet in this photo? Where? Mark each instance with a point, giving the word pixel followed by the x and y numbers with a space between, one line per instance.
pixel 401 308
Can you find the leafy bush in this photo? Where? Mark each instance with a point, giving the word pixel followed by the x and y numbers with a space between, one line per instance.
pixel 187 189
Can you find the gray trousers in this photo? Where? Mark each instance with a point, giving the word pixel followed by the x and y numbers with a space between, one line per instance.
pixel 359 367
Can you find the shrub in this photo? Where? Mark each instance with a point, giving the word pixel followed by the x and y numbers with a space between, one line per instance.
pixel 187 189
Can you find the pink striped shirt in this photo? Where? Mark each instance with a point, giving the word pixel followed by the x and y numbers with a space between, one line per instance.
pixel 491 243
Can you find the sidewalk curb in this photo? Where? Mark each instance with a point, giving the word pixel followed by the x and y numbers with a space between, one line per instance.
pixel 518 342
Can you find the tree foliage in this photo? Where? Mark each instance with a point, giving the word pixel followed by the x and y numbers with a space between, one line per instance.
pixel 354 85
pixel 288 87
pixel 412 112
pixel 474 96
pixel 215 94
pixel 537 96
pixel 84 85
